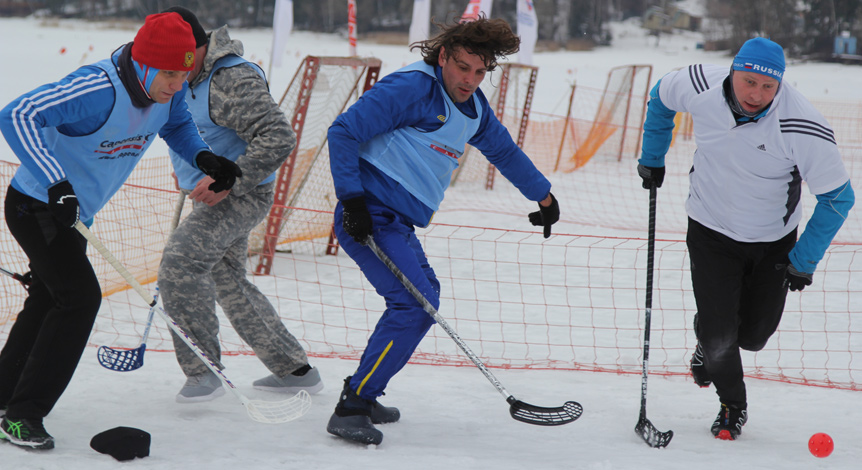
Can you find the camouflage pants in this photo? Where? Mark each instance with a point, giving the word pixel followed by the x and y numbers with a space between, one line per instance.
pixel 204 262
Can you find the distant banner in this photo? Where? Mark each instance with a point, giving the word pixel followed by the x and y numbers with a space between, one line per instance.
pixel 351 26
pixel 420 22
pixel 282 25
pixel 528 29
pixel 476 8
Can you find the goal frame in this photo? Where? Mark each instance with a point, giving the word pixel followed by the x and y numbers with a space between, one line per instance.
pixel 309 70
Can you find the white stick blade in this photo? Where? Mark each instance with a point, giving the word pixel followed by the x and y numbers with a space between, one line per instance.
pixel 275 412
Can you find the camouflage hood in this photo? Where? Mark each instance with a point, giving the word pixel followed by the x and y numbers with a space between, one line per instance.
pixel 220 44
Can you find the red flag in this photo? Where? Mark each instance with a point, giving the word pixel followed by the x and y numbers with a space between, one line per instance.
pixel 351 25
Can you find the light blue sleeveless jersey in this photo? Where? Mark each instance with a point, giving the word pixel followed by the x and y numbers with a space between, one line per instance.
pixel 222 140
pixel 423 162
pixel 99 163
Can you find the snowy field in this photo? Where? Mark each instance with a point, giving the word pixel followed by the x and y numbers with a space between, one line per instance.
pixel 451 417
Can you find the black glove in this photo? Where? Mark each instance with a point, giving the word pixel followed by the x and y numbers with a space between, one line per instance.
pixel 356 219
pixel 63 203
pixel 546 216
pixel 222 170
pixel 795 279
pixel 651 175
pixel 25 279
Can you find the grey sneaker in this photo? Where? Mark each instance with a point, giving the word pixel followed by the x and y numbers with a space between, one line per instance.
pixel 201 387
pixel 310 382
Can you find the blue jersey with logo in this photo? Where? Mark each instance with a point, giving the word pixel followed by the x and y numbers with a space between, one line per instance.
pixel 84 129
pixel 421 161
pixel 414 98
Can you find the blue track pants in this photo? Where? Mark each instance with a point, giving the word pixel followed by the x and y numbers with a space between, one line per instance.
pixel 404 323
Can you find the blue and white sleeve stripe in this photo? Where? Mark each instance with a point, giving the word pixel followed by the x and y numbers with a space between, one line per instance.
pixel 48 106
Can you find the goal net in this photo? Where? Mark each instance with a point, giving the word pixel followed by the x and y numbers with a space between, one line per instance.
pixel 570 302
pixel 510 94
pixel 617 127
pixel 322 88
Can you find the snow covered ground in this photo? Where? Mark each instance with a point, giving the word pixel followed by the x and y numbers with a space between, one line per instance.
pixel 451 417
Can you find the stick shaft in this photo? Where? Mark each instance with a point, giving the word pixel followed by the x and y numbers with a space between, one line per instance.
pixel 649 283
pixel 426 305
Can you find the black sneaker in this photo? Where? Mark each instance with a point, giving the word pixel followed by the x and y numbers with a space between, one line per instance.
pixel 384 414
pixel 728 424
pixel 356 428
pixel 379 414
pixel 352 418
pixel 698 370
pixel 26 433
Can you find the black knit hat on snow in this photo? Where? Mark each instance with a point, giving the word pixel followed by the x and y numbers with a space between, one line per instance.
pixel 122 443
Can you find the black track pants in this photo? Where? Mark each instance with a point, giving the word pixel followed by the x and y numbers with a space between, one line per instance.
pixel 740 298
pixel 51 331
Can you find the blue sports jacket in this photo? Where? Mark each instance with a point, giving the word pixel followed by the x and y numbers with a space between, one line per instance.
pixel 412 98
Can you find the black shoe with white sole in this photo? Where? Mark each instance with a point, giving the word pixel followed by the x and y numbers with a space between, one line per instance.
pixel 26 433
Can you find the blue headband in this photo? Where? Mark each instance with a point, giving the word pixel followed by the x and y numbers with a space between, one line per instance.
pixel 146 74
pixel 760 55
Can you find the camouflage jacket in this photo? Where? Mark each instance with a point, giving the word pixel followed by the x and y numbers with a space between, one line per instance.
pixel 239 99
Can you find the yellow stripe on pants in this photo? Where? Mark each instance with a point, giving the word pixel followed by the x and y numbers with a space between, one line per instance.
pixel 379 360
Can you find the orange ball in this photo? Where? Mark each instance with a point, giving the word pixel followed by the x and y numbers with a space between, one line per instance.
pixel 821 445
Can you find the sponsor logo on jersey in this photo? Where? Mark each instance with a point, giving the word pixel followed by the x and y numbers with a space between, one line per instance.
pixel 128 147
pixel 444 151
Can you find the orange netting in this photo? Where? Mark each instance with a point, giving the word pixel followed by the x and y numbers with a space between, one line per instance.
pixel 573 301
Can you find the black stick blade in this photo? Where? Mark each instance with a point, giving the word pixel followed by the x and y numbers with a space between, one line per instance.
pixel 121 360
pixel 542 416
pixel 652 436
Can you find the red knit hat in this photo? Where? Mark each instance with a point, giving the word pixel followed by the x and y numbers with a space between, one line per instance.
pixel 165 42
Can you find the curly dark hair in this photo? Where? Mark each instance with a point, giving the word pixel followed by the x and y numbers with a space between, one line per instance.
pixel 489 39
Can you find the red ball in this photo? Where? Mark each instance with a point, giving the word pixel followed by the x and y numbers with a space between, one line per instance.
pixel 821 445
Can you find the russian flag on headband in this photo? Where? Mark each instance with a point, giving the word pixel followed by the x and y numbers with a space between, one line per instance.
pixel 748 65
